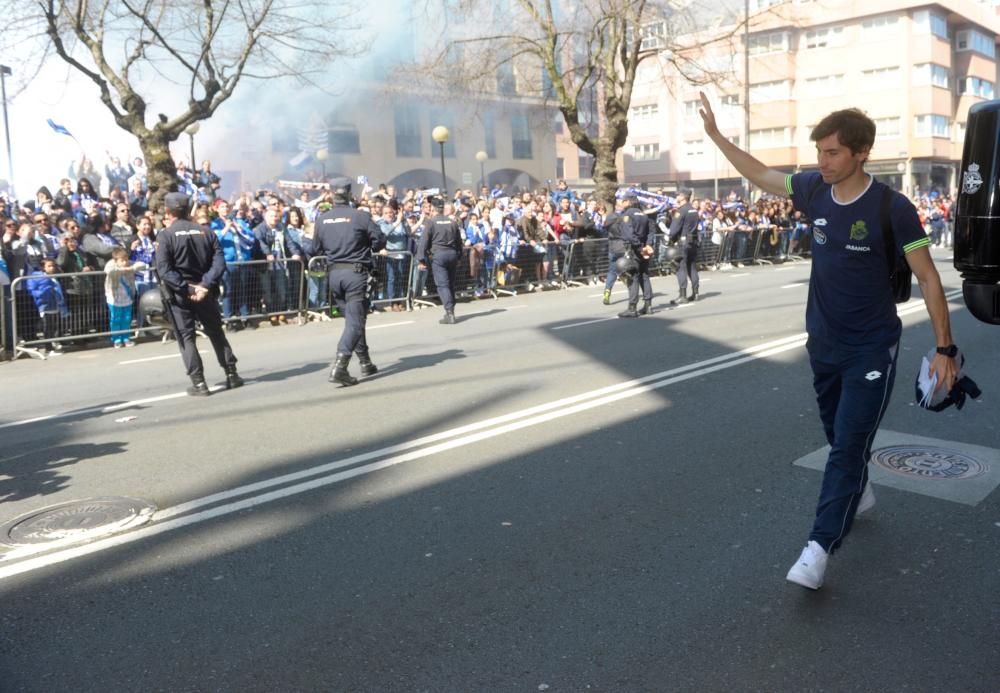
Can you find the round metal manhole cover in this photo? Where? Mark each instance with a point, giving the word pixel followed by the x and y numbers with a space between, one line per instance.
pixel 927 463
pixel 77 520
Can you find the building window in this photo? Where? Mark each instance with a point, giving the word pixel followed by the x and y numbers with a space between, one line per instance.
pixel 774 42
pixel 770 137
pixel 880 79
pixel 648 111
pixel 925 21
pixel 771 91
pixel 344 140
pixel 408 137
pixel 694 148
pixel 560 167
pixel 585 162
pixel 879 27
pixel 960 132
pixel 824 38
pixel 506 81
pixel 489 135
pixel 972 40
pixel 975 86
pixel 887 128
pixel 827 85
pixel 691 109
pixel 645 152
pixel 653 36
pixel 930 126
pixel 520 136
pixel 929 73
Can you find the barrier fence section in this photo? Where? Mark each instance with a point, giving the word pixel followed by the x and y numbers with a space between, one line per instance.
pixel 393 281
pixel 256 290
pixel 5 309
pixel 43 319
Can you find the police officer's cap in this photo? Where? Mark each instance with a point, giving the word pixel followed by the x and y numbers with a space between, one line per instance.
pixel 340 186
pixel 177 202
pixel 436 201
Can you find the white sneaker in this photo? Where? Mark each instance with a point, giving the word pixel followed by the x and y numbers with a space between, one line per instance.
pixel 808 571
pixel 867 501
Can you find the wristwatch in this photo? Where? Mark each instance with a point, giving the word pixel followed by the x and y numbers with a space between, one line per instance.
pixel 951 351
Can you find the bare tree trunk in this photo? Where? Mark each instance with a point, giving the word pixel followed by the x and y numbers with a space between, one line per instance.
pixel 161 171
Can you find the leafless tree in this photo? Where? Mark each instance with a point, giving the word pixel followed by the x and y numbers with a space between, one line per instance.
pixel 131 48
pixel 572 54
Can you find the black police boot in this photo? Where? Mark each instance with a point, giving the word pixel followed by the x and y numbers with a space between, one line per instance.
pixel 630 312
pixel 694 294
pixel 367 367
pixel 199 388
pixel 647 307
pixel 448 319
pixel 682 297
pixel 233 379
pixel 339 373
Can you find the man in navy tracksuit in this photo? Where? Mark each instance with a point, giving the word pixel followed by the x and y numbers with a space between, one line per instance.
pixel 851 316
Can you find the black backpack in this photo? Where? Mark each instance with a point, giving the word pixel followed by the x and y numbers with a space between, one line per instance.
pixel 900 274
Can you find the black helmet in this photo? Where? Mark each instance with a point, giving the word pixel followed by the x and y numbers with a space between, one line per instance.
pixel 626 265
pixel 672 253
pixel 151 308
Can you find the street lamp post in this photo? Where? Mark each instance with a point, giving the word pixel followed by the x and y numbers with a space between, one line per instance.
pixel 322 156
pixel 440 135
pixel 192 130
pixel 4 72
pixel 481 157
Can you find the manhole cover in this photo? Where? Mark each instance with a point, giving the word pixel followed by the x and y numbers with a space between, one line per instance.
pixel 77 520
pixel 927 462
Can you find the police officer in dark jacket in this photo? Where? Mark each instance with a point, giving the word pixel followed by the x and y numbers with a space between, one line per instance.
pixel 684 229
pixel 637 231
pixel 347 237
pixel 442 238
pixel 190 264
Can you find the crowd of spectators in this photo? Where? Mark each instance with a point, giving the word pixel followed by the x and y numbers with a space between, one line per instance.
pixel 91 217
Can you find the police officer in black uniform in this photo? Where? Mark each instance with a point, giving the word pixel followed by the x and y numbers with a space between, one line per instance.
pixel 442 238
pixel 636 230
pixel 190 265
pixel 347 237
pixel 684 228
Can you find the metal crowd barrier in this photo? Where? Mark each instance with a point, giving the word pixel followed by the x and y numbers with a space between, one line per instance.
pixel 5 309
pixel 256 290
pixel 586 261
pixel 394 281
pixel 86 318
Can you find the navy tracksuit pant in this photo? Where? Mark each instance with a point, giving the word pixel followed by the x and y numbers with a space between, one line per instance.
pixel 852 390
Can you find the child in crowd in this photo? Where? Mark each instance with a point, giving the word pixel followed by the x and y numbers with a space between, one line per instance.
pixel 120 291
pixel 49 300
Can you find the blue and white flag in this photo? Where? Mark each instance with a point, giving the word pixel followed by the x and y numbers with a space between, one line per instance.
pixel 61 130
pixel 362 180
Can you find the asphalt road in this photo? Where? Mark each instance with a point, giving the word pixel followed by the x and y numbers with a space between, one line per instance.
pixel 541 497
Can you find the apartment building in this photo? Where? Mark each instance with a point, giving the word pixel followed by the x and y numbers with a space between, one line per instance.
pixel 915 68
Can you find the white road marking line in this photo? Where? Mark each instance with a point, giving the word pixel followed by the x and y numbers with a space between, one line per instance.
pixel 912 306
pixel 796 284
pixel 613 293
pixel 157 358
pixel 740 274
pixel 586 322
pixel 524 419
pixel 391 324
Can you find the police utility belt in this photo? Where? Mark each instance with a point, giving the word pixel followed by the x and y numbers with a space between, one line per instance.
pixel 356 267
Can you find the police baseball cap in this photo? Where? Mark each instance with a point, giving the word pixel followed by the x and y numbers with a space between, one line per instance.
pixel 932 398
pixel 177 202
pixel 340 185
